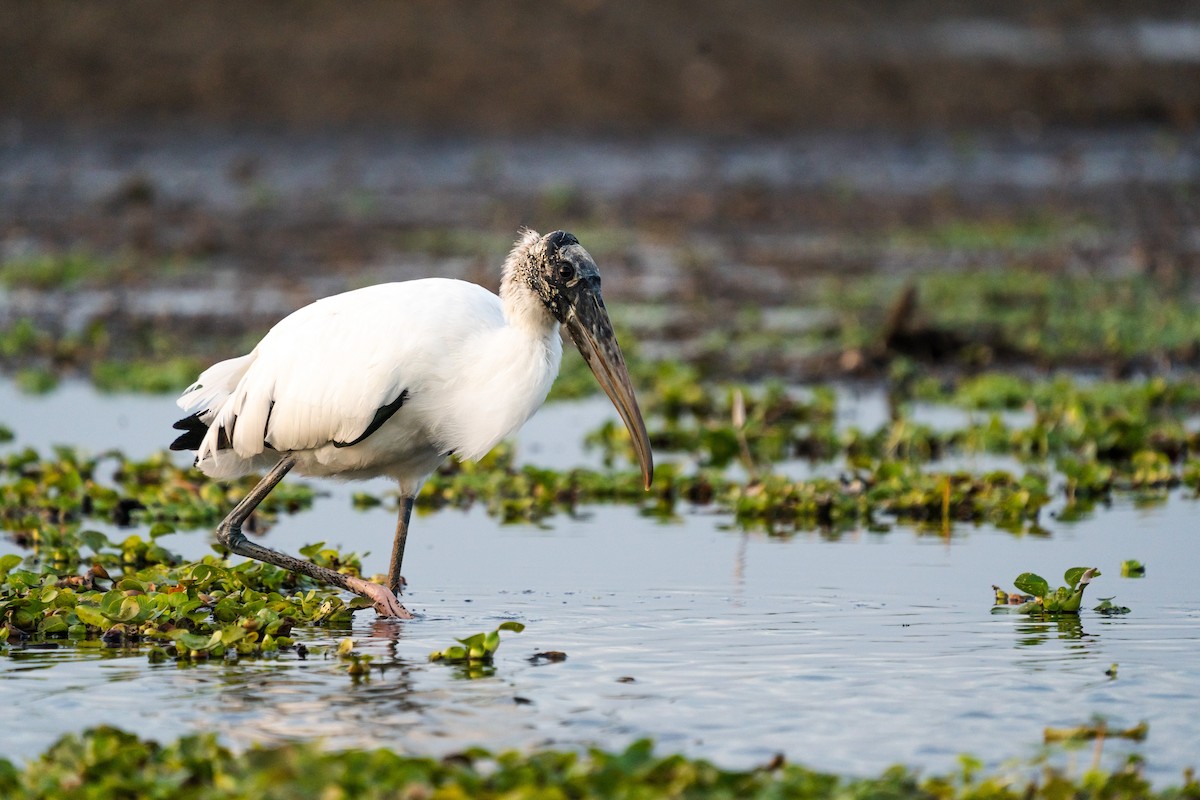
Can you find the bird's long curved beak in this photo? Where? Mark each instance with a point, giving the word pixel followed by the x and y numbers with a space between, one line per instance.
pixel 590 328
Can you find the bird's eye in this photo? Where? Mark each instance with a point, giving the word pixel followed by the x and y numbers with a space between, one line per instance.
pixel 566 270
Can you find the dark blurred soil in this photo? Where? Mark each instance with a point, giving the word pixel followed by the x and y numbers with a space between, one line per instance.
pixel 606 66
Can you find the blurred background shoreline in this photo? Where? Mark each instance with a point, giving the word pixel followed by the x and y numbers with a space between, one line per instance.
pixel 218 165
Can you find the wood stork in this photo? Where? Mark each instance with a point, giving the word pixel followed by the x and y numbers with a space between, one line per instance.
pixel 392 379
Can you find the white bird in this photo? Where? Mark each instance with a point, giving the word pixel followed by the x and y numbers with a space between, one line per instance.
pixel 392 379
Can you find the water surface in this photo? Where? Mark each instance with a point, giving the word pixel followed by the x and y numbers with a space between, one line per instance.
pixel 847 653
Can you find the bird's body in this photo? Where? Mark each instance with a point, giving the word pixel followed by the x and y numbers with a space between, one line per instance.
pixel 469 373
pixel 392 379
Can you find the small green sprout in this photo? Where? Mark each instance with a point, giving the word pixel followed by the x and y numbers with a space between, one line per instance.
pixel 1063 600
pixel 479 648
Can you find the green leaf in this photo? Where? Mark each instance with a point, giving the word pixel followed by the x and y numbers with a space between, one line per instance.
pixel 96 540
pixel 511 625
pixel 131 610
pixel 1073 575
pixel 232 634
pixel 161 529
pixel 7 562
pixel 453 653
pixel 193 641
pixel 310 551
pixel 1029 583
pixel 91 616
pixel 473 641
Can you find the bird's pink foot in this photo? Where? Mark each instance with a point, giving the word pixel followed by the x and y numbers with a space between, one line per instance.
pixel 384 598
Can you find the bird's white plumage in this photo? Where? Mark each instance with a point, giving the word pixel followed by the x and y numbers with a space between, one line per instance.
pixel 474 369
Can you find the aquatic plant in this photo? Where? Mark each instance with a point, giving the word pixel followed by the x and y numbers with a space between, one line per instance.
pixel 109 762
pixel 481 647
pixel 1132 568
pixel 42 497
pixel 197 610
pixel 1108 608
pixel 1063 600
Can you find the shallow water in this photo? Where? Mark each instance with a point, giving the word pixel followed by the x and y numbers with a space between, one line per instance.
pixel 846 653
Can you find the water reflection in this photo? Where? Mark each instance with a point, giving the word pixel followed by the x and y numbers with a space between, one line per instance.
pixel 1065 627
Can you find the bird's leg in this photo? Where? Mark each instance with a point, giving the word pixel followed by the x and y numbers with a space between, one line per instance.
pixel 229 533
pixel 395 581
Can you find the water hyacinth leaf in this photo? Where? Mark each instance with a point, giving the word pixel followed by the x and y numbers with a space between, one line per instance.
pixel 131 611
pixel 1075 574
pixel 89 615
pixel 479 647
pixel 110 603
pixel 95 540
pixel 233 635
pixel 452 653
pixel 161 529
pixel 309 551
pixel 193 641
pixel 473 641
pixel 1033 584
pixel 8 562
pixel 203 573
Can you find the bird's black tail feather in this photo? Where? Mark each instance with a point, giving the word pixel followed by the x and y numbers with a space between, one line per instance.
pixel 193 432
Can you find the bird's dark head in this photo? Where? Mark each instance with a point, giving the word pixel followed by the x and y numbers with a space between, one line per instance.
pixel 563 276
pixel 557 269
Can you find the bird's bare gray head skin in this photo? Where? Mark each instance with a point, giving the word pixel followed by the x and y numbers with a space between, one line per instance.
pixel 565 278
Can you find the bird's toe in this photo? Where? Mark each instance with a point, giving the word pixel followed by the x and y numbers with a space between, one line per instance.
pixel 393 609
pixel 384 598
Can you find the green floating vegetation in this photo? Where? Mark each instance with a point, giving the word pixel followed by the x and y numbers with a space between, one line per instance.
pixel 1107 608
pixel 724 424
pixel 107 762
pixel 1100 422
pixel 479 648
pixel 199 610
pixel 1063 600
pixel 81 585
pixel 892 490
pixel 44 502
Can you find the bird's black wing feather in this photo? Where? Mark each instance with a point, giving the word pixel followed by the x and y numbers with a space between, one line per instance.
pixel 382 415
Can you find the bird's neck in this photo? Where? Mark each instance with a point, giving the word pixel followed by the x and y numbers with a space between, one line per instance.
pixel 524 310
